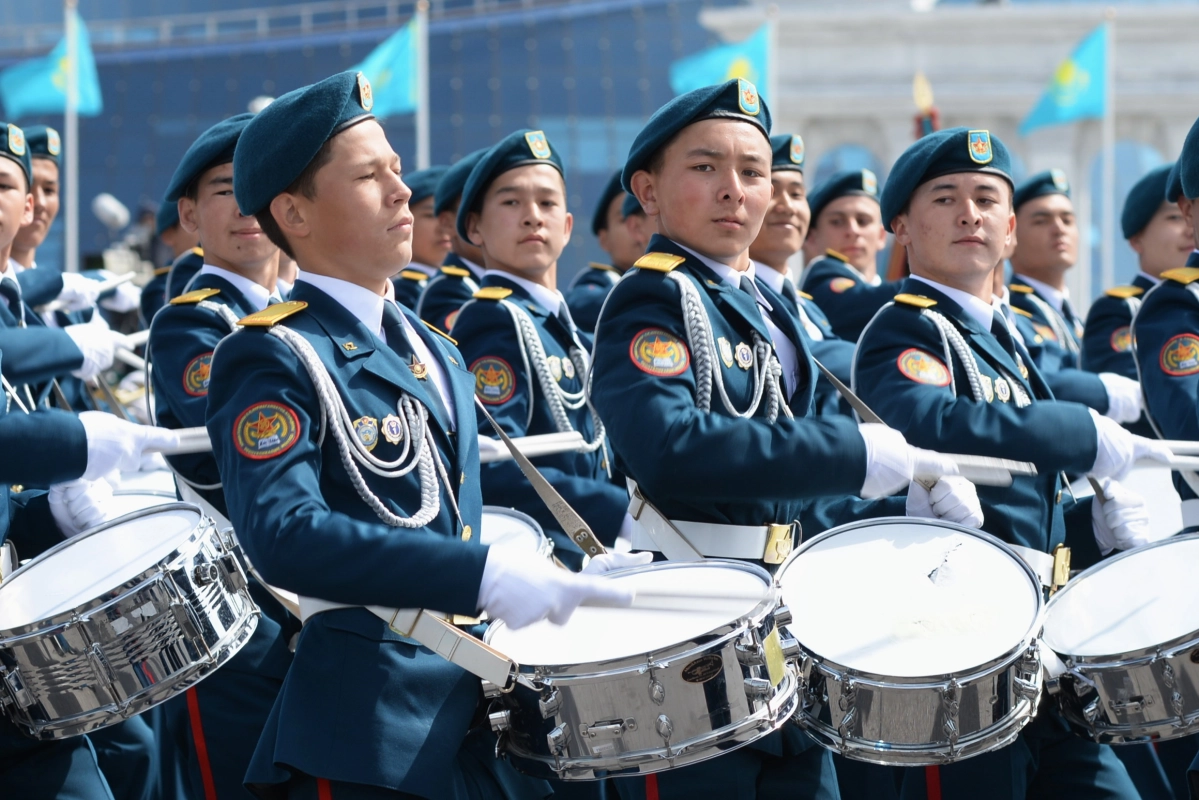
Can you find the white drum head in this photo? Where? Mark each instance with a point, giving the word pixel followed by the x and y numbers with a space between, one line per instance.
pixel 1141 600
pixel 908 599
pixel 92 564
pixel 505 527
pixel 600 634
pixel 124 502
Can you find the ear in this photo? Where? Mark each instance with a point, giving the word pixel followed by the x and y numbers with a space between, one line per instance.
pixel 899 226
pixel 570 226
pixel 188 219
pixel 291 217
pixel 1010 239
pixel 27 213
pixel 473 233
pixel 1137 243
pixel 643 187
pixel 1186 206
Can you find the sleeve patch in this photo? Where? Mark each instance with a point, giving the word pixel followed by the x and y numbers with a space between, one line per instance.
pixel 839 285
pixel 659 353
pixel 1180 355
pixel 1121 339
pixel 495 383
pixel 450 319
pixel 265 430
pixel 195 375
pixel 921 367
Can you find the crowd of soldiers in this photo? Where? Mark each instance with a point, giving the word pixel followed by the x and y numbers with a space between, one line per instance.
pixel 333 321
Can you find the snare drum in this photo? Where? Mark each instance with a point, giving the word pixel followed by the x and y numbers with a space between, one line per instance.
pixel 917 640
pixel 1128 632
pixel 507 526
pixel 630 691
pixel 119 619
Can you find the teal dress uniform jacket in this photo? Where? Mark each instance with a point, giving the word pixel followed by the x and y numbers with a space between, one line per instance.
pixel 183 269
pixel 447 292
pixel 1061 330
pixel 1070 384
pixel 1107 340
pixel 586 294
pixel 848 301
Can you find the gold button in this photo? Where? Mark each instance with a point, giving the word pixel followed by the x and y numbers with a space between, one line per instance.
pixel 1059 497
pixel 17 488
pixel 462 479
pixel 466 533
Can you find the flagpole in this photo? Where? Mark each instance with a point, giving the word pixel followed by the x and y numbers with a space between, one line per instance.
pixel 772 57
pixel 1109 153
pixel 423 159
pixel 71 134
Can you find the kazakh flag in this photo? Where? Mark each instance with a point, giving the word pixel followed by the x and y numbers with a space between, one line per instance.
pixel 749 60
pixel 1078 89
pixel 393 71
pixel 39 86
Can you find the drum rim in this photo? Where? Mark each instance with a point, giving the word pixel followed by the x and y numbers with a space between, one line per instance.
pixel 1031 635
pixel 1129 656
pixel 150 492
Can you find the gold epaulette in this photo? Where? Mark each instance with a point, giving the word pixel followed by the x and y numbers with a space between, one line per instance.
pixel 917 300
pixel 457 272
pixel 272 315
pixel 199 251
pixel 1183 275
pixel 438 330
pixel 161 271
pixel 413 275
pixel 1021 288
pixel 831 253
pixel 1124 292
pixel 492 293
pixel 658 262
pixel 191 298
pixel 804 295
pixel 604 267
pixel 1022 312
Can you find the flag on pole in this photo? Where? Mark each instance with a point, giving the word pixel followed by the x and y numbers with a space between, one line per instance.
pixel 1077 90
pixel 749 60
pixel 39 86
pixel 393 69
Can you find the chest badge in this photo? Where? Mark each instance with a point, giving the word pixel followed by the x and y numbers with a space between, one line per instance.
pixel 350 346
pixel 726 351
pixel 367 431
pixel 744 355
pixel 988 387
pixel 555 365
pixel 393 429
pixel 419 370
pixel 1002 390
pixel 568 368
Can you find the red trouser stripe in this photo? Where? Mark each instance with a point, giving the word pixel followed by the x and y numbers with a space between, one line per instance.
pixel 323 790
pixel 651 787
pixel 932 782
pixel 193 713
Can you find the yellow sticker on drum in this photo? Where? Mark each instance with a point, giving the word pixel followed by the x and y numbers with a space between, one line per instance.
pixel 775 665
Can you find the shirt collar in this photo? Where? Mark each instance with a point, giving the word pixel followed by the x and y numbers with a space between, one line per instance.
pixel 549 299
pixel 1150 278
pixel 982 311
pixel 364 304
pixel 16 268
pixel 732 277
pixel 772 278
pixel 257 294
pixel 11 269
pixel 1054 297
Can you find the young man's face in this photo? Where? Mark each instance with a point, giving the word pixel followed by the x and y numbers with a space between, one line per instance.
pixel 786 223
pixel 640 229
pixel 713 188
pixel 1165 242
pixel 449 221
pixel 1048 235
pixel 430 240
pixel 231 240
pixel 616 239
pixel 524 225
pixel 16 203
pixel 957 228
pixel 179 239
pixel 853 226
pixel 45 205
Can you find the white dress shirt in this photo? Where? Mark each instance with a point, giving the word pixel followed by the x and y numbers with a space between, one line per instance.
pixel 982 311
pixel 256 293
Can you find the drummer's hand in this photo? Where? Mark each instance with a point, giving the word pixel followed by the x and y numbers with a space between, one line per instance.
pixel 1122 522
pixel 79 505
pixel 609 561
pixel 1119 450
pixel 113 444
pixel 952 499
pixel 98 343
pixel 79 292
pixel 522 588
pixel 891 462
pixel 1124 399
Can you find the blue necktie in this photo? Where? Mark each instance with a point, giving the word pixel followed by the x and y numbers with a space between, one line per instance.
pixel 10 290
pixel 397 340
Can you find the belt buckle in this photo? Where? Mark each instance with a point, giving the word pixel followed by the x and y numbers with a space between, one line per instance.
pixel 1061 567
pixel 779 541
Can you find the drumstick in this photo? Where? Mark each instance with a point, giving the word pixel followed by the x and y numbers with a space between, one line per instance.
pixel 1189 463
pixel 129 357
pixel 541 445
pixel 191 440
pixel 138 338
pixel 104 286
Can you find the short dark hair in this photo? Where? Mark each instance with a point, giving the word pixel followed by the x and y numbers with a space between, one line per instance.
pixel 305 185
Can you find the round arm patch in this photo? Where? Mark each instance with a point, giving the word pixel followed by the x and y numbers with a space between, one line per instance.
pixel 1121 339
pixel 495 383
pixel 266 430
pixel 659 353
pixel 1180 355
pixel 838 285
pixel 921 367
pixel 195 375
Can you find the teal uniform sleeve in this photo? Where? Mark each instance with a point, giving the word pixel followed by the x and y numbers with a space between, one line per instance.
pixel 37 353
pixel 52 447
pixel 40 286
pixel 1107 342
pixel 847 301
pixel 443 296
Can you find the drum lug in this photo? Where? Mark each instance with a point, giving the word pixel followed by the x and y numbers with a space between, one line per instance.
pixel 951 703
pixel 1133 705
pixel 205 574
pixel 490 690
pixel 17 694
pixel 550 704
pixel 608 729
pixel 758 687
pixel 749 654
pixel 782 616
pixel 557 739
pixel 500 721
pixel 657 692
pixel 234 573
pixel 664 727
pixel 849 711
pixel 790 648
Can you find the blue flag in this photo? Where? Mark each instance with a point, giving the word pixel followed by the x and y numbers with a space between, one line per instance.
pixel 1078 88
pixel 393 71
pixel 749 60
pixel 39 86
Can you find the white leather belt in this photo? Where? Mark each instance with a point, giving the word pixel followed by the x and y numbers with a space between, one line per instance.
pixel 1190 513
pixel 1038 560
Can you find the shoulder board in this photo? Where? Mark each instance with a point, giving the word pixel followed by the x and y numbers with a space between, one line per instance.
pixel 413 275
pixel 198 251
pixel 457 272
pixel 919 301
pixel 442 333
pixel 272 315
pixel 161 271
pixel 804 295
pixel 831 253
pixel 1183 275
pixel 191 298
pixel 492 293
pixel 603 267
pixel 1124 292
pixel 658 262
pixel 1021 288
pixel 1022 312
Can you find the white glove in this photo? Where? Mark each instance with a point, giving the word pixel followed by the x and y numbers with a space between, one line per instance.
pixel 610 561
pixel 1124 399
pixel 125 298
pixel 952 499
pixel 80 505
pixel 522 588
pixel 1119 450
pixel 98 344
pixel 78 292
pixel 1122 522
pixel 113 444
pixel 891 462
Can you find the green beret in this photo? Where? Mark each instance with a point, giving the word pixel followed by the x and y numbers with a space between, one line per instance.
pixel 449 188
pixel 517 149
pixel 734 99
pixel 1144 199
pixel 1188 163
pixel 941 153
pixel 631 205
pixel 858 182
pixel 43 142
pixel 14 146
pixel 423 183
pixel 166 217
pixel 211 148
pixel 599 220
pixel 1051 181
pixel 788 152
pixel 1174 184
pixel 282 139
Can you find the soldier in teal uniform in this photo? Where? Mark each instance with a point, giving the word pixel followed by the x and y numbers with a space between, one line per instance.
pixel 529 359
pixel 1174 194
pixel 175 236
pixel 459 277
pixel 345 435
pixel 842 248
pixel 431 240
pixel 941 363
pixel 590 286
pixel 693 363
